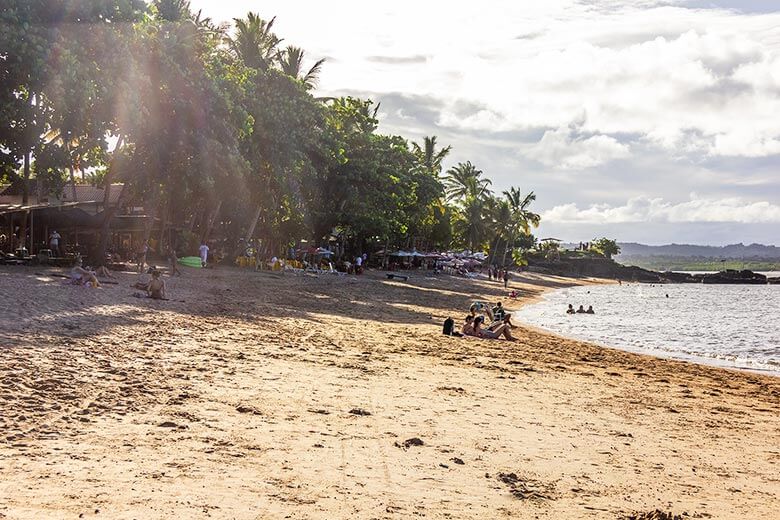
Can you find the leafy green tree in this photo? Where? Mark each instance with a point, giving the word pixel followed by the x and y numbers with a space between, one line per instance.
pixel 429 219
pixel 53 97
pixel 605 246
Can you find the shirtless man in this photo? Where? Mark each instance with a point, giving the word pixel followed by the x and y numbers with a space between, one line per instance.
pixel 156 288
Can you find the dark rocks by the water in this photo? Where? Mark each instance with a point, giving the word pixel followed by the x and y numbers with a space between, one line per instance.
pixel 359 411
pixel 731 276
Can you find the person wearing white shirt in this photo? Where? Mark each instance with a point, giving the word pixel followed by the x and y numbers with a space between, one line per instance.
pixel 54 243
pixel 204 253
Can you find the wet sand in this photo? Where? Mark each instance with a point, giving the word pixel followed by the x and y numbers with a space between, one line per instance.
pixel 261 396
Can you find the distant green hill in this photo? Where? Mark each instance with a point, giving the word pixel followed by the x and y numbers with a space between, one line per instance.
pixel 697 263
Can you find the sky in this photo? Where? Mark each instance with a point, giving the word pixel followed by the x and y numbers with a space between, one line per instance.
pixel 643 120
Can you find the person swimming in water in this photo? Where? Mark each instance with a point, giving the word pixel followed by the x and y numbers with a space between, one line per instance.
pixel 570 310
pixel 581 310
pixel 590 310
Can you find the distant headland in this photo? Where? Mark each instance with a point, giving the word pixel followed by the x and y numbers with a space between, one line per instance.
pixel 687 257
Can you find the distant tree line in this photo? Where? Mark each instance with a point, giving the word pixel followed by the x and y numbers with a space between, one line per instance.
pixel 216 125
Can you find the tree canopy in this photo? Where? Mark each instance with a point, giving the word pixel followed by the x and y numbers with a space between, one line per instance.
pixel 208 123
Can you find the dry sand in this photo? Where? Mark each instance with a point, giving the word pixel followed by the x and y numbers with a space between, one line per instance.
pixel 294 397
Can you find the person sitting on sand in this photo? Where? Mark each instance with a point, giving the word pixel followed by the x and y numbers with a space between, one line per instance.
pixel 156 288
pixel 143 281
pixel 590 310
pixel 81 276
pixel 506 320
pixel 501 330
pixel 468 326
pixel 570 310
pixel 481 308
pixel 498 312
pixel 581 310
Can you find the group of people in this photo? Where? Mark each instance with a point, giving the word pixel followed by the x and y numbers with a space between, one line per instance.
pixel 494 273
pixel 580 310
pixel 475 324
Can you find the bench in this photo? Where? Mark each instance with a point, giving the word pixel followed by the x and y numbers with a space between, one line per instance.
pixel 403 277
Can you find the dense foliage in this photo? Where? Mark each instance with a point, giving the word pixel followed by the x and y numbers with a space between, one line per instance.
pixel 215 131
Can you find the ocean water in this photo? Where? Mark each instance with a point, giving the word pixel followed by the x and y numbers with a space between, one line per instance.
pixel 735 326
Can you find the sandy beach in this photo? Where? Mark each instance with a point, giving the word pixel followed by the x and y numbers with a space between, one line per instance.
pixel 254 395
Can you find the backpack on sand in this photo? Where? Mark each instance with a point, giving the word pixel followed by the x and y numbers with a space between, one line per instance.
pixel 449 325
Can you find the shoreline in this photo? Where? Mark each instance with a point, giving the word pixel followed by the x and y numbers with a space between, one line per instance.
pixel 704 360
pixel 265 397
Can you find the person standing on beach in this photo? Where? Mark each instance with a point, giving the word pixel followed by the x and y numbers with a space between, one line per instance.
pixel 204 253
pixel 173 259
pixel 506 278
pixel 54 243
pixel 358 264
pixel 142 256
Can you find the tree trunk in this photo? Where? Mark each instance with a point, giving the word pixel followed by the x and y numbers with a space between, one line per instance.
pixel 151 214
pixel 210 224
pixel 253 223
pixel 194 218
pixel 99 255
pixel 70 172
pixel 493 250
pixel 25 200
pixel 162 242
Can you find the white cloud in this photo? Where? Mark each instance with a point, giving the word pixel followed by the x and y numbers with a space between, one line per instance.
pixel 644 209
pixel 567 149
pixel 646 67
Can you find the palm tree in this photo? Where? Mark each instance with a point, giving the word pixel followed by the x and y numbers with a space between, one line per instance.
pixel 470 223
pixel 500 216
pixel 464 181
pixel 428 157
pixel 173 10
pixel 254 43
pixel 522 218
pixel 291 63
